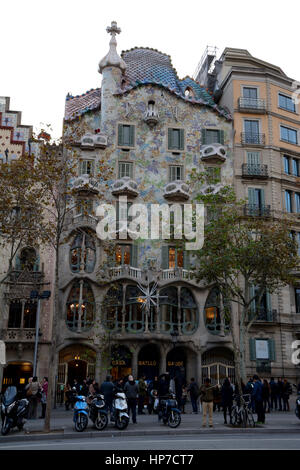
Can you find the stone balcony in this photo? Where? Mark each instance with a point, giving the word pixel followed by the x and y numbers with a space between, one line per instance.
pixel 20 335
pixel 176 190
pixel 86 183
pixel 162 276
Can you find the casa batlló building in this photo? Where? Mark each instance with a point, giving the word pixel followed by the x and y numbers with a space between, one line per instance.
pixel 151 129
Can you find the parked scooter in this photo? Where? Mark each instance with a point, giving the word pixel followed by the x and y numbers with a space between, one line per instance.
pixel 119 414
pixel 13 411
pixel 297 408
pixel 168 411
pixel 98 413
pixel 81 414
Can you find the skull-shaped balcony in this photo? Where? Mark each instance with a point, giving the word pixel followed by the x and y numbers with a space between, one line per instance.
pixel 91 141
pixel 125 186
pixel 151 116
pixel 177 191
pixel 213 153
pixel 85 183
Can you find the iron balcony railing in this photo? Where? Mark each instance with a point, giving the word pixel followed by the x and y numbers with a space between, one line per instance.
pixel 263 315
pixel 255 170
pixel 257 210
pixel 248 138
pixel 252 104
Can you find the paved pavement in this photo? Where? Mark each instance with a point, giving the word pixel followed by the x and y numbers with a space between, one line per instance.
pixel 62 427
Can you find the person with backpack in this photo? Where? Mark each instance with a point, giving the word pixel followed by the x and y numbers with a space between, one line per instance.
pixel 227 399
pixel 258 399
pixel 193 390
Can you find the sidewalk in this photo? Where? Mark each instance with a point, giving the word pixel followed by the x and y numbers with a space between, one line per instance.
pixel 62 426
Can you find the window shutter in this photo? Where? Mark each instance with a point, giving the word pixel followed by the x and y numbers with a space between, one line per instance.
pixel 272 355
pixel 18 263
pixel 203 136
pixel 134 256
pixel 186 260
pixel 36 265
pixel 132 136
pixel 181 139
pixel 170 139
pixel 252 349
pixel 262 197
pixel 120 134
pixel 251 196
pixel 221 137
pixel 165 257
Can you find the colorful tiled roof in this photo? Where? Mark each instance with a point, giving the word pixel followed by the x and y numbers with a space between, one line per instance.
pixel 147 66
pixel 80 104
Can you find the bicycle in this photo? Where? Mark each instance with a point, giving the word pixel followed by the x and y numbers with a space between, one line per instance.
pixel 241 413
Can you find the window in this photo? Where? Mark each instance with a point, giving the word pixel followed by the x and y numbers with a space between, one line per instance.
pixel 288 201
pixel 173 318
pixel 286 102
pixel 256 197
pixel 295 167
pixel 212 136
pixel 250 97
pixel 86 167
pixel 22 314
pixel 297 203
pixel 252 135
pixel 286 164
pixel 15 314
pixel 84 207
pixel 212 312
pixel 213 175
pixel 175 139
pixel 176 173
pixel 83 253
pixel 29 320
pixel 123 253
pixel 174 257
pixel 80 307
pixel 125 169
pixel 27 260
pixel 253 158
pixel 263 349
pixel 126 135
pixel 262 310
pixel 297 296
pixel 288 135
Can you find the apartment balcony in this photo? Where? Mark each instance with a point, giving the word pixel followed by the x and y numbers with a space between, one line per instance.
pixel 256 210
pixel 254 171
pixel 83 220
pixel 125 271
pixel 24 276
pixel 86 183
pixel 253 139
pixel 252 105
pixel 176 274
pixel 20 335
pixel 263 316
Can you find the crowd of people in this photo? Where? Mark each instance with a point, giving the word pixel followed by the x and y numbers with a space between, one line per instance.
pixel 36 393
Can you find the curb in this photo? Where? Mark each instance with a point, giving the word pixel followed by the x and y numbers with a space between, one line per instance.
pixel 60 434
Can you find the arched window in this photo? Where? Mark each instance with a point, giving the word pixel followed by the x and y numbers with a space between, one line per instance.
pixel 189 92
pixel 135 313
pixel 212 312
pixel 112 307
pixel 80 307
pixel 83 253
pixel 173 318
pixel 27 260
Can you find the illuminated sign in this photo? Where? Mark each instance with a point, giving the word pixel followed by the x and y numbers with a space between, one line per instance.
pixel 172 363
pixel 147 363
pixel 118 363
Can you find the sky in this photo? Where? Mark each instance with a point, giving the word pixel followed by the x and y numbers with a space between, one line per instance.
pixel 48 49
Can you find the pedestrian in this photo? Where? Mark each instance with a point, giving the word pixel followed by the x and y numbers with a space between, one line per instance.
pixel 183 399
pixel 107 389
pixel 84 388
pixel 33 393
pixel 77 386
pixel 248 391
pixel 258 399
pixel 163 386
pixel 227 399
pixel 266 396
pixel 142 390
pixel 68 394
pixel 153 385
pixel 217 398
pixel 286 392
pixel 279 393
pixel 131 390
pixel 44 390
pixel 273 394
pixel 193 390
pixel 207 400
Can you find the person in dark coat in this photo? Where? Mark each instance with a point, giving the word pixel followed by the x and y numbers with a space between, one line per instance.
pixel 286 392
pixel 258 399
pixel 194 394
pixel 227 399
pixel 131 391
pixel 273 394
pixel 163 386
pixel 266 396
pixel 107 389
pixel 279 393
pixel 153 385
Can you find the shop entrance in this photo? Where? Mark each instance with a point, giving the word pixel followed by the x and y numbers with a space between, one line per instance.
pixel 17 373
pixel 121 359
pixel 77 369
pixel 148 362
pixel 217 364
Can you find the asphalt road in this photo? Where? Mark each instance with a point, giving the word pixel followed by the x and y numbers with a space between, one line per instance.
pixel 190 442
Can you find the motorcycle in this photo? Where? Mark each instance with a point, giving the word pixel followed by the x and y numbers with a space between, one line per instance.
pixel 297 408
pixel 81 414
pixel 168 411
pixel 119 414
pixel 13 411
pixel 98 413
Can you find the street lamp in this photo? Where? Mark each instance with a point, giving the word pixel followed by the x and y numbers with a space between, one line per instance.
pixel 34 294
